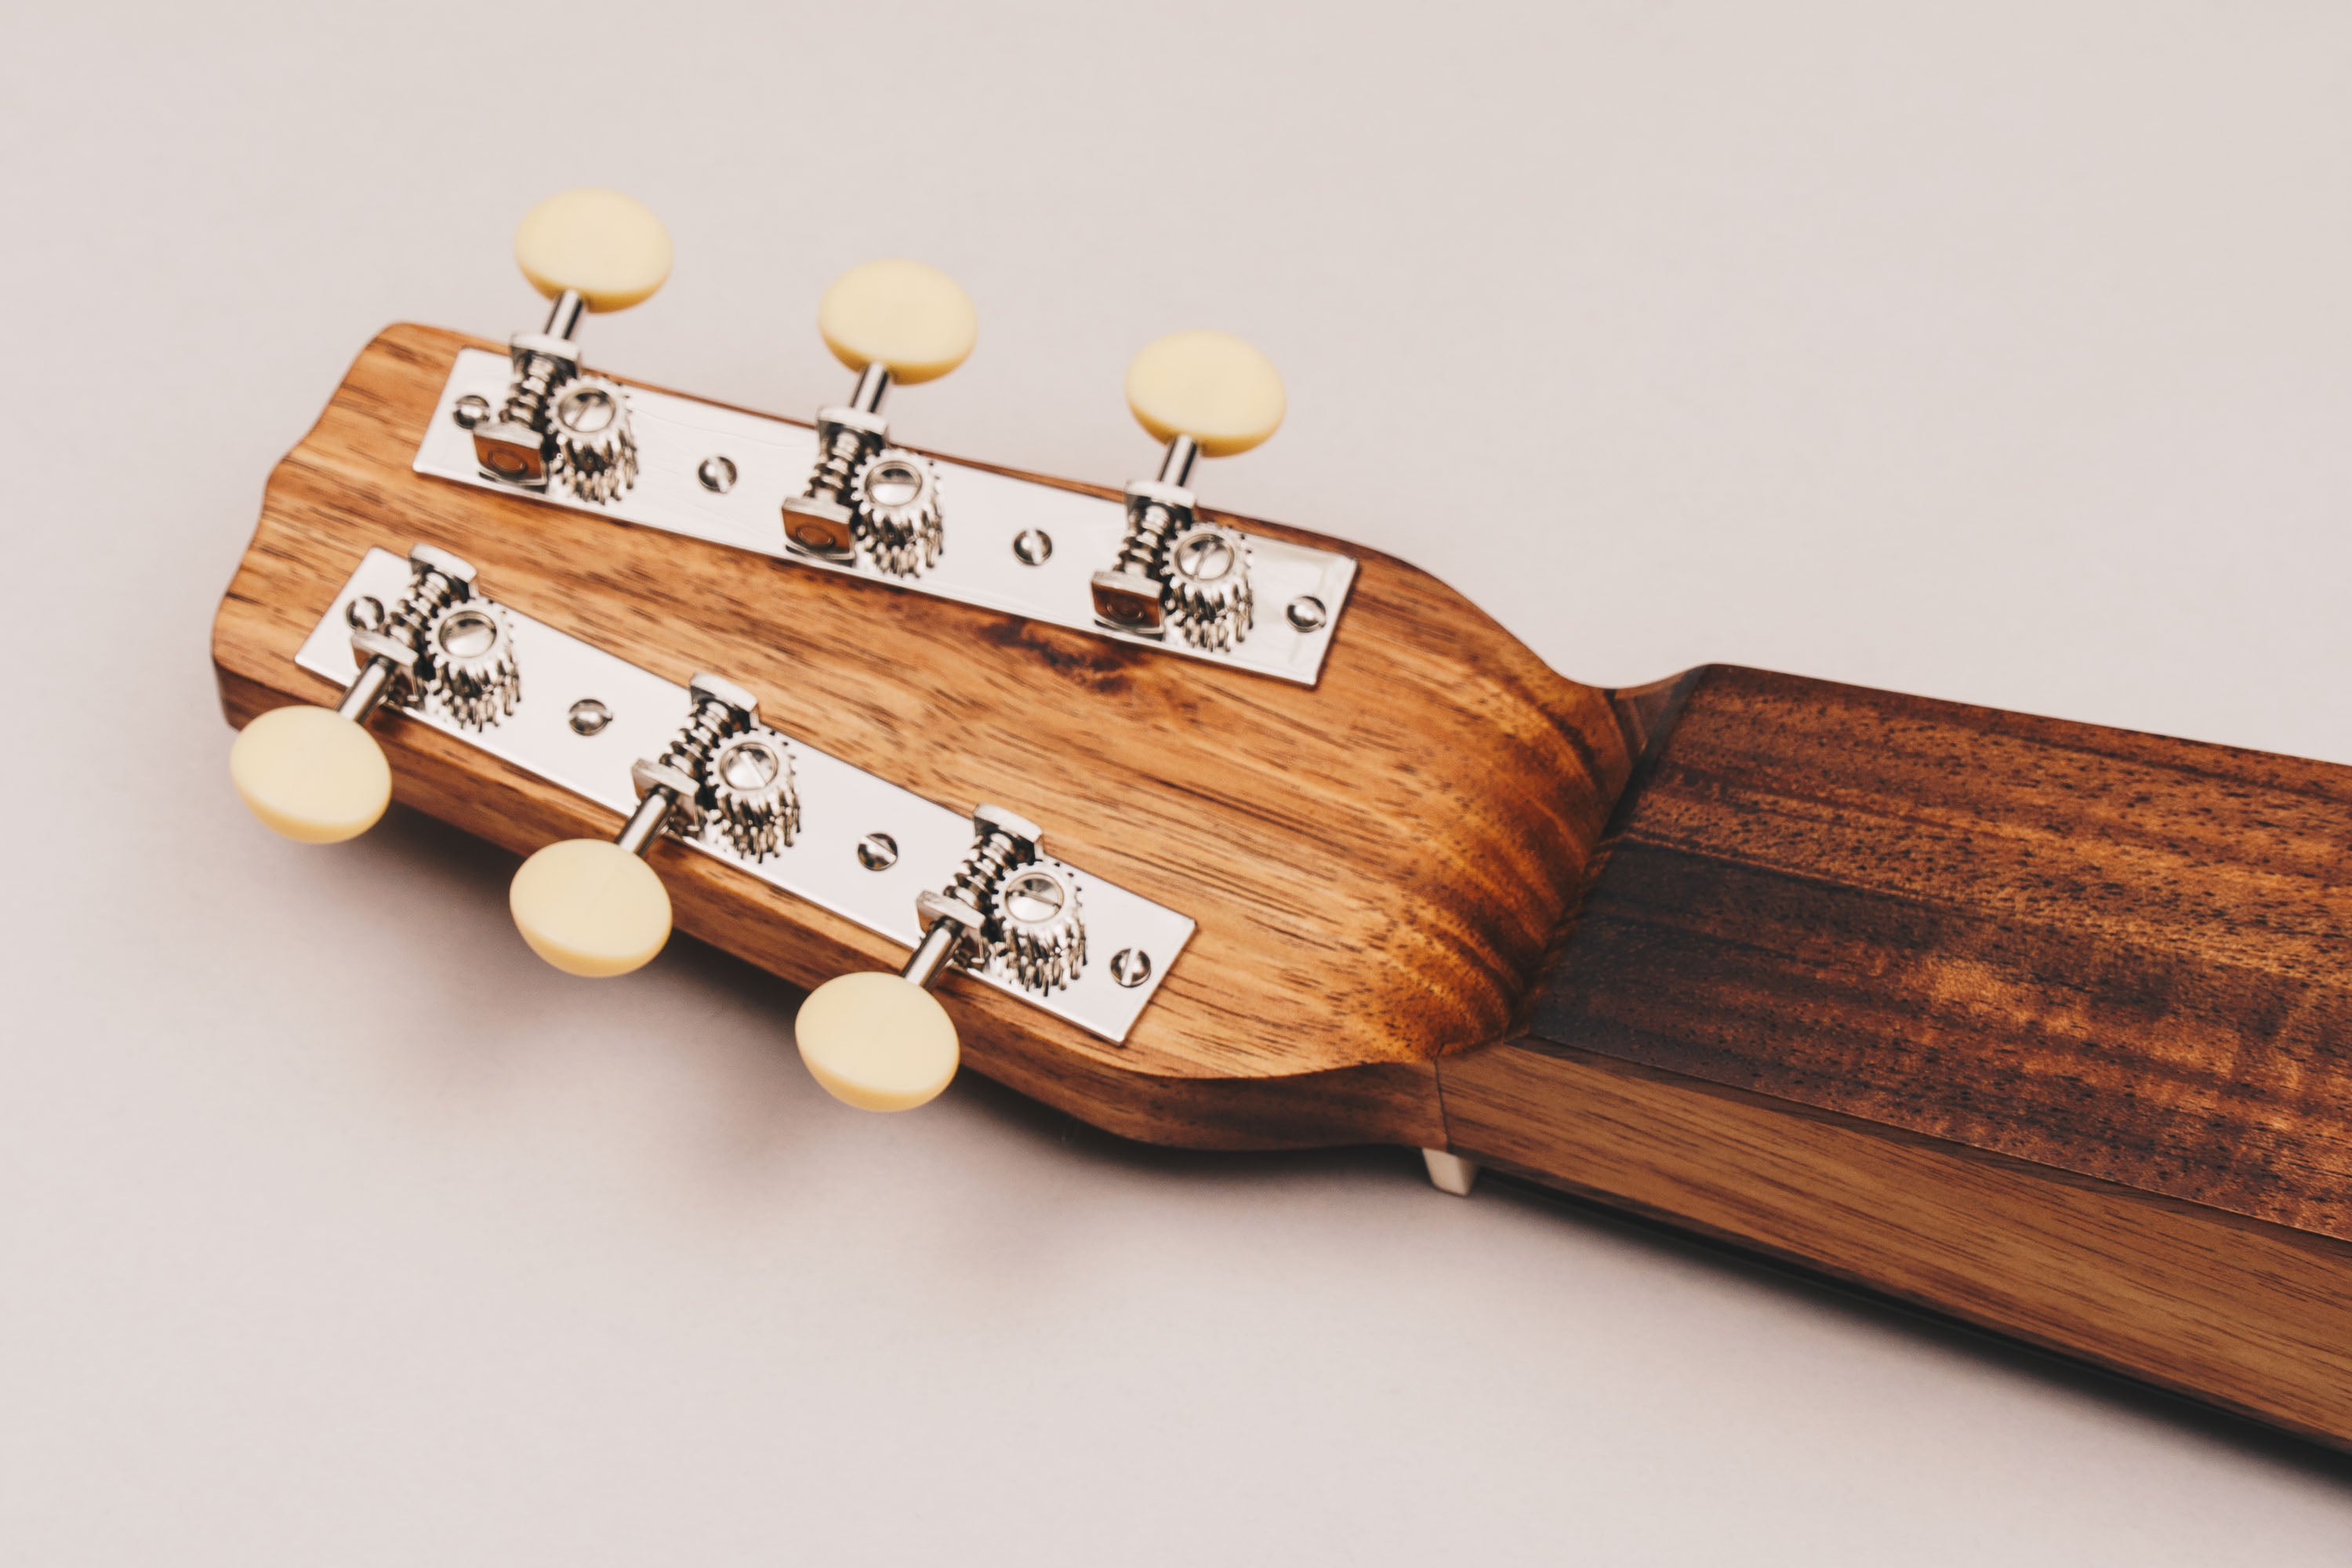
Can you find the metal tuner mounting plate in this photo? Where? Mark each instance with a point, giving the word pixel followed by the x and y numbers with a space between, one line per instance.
pixel 1009 544
pixel 865 848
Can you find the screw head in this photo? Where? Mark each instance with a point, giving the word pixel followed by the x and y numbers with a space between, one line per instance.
pixel 589 717
pixel 1307 612
pixel 1033 546
pixel 717 473
pixel 878 852
pixel 1130 966
pixel 365 614
pixel 469 410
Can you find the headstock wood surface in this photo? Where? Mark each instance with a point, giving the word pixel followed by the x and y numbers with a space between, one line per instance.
pixel 2038 1025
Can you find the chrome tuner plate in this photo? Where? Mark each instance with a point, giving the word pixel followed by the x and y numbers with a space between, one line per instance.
pixel 585 716
pixel 1028 549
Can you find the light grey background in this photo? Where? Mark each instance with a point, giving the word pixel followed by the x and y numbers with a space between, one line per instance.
pixel 1994 350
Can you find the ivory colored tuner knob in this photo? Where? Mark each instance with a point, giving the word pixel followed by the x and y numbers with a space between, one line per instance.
pixel 608 249
pixel 1212 387
pixel 312 774
pixel 590 907
pixel 877 1041
pixel 914 320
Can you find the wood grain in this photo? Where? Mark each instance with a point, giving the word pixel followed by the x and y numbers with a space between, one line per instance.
pixel 1375 864
pixel 2039 1025
pixel 2043 1025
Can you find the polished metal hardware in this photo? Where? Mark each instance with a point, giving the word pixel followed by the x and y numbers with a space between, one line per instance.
pixel 1175 571
pixel 1007 908
pixel 980 562
pixel 862 847
pixel 438 647
pixel 555 427
pixel 866 499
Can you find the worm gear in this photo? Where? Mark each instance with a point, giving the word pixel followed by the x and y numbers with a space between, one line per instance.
pixel 753 802
pixel 1206 573
pixel 588 432
pixel 1038 929
pixel 897 498
pixel 469 664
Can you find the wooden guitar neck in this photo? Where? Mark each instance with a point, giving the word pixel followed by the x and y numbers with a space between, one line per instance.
pixel 2039 1025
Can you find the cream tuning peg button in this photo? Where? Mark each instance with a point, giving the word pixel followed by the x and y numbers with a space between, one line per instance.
pixel 591 908
pixel 890 322
pixel 882 1042
pixel 1204 394
pixel 310 774
pixel 913 321
pixel 877 1041
pixel 585 250
pixel 594 907
pixel 315 775
pixel 605 248
pixel 1210 386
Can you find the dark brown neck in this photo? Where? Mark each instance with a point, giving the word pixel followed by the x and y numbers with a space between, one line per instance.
pixel 2038 1024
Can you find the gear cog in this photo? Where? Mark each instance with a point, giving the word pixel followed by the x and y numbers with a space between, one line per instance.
pixel 1039 933
pixel 469 664
pixel 897 497
pixel 1208 587
pixel 753 801
pixel 588 426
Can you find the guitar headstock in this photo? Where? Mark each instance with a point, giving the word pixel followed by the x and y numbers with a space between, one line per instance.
pixel 1209 830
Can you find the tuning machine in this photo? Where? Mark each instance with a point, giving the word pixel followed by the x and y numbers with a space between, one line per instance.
pixel 1204 394
pixel 882 1041
pixel 558 425
pixel 315 775
pixel 592 906
pixel 889 322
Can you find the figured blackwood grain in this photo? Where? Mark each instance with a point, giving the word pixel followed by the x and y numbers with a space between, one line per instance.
pixel 2042 1023
pixel 1375 864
